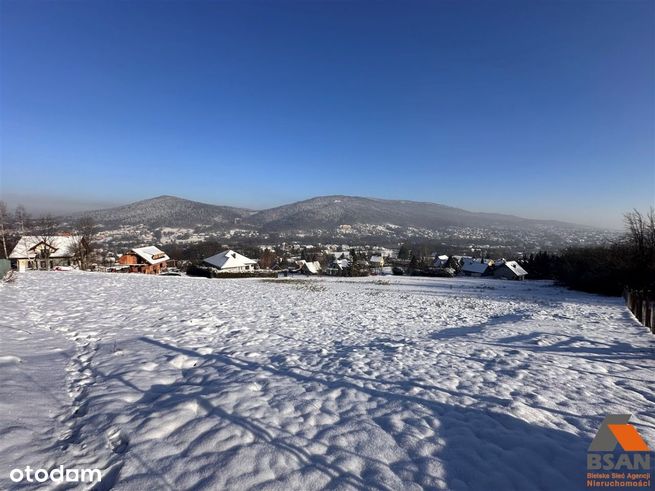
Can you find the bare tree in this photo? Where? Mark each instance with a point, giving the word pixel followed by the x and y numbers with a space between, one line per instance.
pixel 4 224
pixel 45 231
pixel 641 231
pixel 86 229
pixel 268 259
pixel 640 241
pixel 22 219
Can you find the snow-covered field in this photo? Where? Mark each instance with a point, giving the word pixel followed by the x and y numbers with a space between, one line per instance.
pixel 406 383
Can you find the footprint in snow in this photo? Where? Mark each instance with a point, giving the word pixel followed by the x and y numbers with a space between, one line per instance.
pixel 117 440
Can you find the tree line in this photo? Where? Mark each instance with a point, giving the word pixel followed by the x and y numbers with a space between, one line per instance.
pixel 628 262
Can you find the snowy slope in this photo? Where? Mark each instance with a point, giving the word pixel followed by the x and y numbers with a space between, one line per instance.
pixel 180 383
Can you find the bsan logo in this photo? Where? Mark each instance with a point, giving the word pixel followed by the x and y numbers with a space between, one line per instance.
pixel 617 431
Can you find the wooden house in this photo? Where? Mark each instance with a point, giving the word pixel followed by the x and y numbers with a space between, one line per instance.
pixel 147 260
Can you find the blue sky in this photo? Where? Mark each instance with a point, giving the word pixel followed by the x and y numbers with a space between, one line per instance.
pixel 540 109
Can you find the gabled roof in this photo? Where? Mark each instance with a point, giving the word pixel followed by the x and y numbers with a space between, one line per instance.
pixel 515 268
pixel 61 245
pixel 376 259
pixel 313 267
pixel 151 254
pixel 471 266
pixel 229 259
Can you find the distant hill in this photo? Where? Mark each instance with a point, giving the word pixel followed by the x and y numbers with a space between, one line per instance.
pixel 332 211
pixel 169 211
pixel 324 212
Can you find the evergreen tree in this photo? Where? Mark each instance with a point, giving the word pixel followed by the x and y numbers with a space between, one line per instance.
pixel 403 252
pixel 413 263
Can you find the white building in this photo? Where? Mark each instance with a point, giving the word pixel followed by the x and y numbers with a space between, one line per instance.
pixel 231 262
pixel 33 252
pixel 510 270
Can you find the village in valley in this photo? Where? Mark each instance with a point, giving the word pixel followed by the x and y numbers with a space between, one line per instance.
pixel 65 252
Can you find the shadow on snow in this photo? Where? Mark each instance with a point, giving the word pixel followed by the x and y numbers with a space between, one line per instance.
pixel 483 449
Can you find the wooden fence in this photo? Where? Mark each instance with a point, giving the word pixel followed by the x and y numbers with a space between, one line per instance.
pixel 642 305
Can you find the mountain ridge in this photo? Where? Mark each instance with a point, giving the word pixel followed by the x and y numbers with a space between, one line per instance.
pixel 319 212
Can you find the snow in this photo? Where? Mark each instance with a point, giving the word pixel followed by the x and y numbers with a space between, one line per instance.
pixel 151 254
pixel 516 267
pixel 473 266
pixel 311 267
pixel 229 260
pixel 63 245
pixel 406 383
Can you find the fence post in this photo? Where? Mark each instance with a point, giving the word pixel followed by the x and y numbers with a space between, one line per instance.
pixel 642 307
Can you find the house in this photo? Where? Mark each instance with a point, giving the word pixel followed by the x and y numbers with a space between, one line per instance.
pixel 441 261
pixel 148 260
pixel 231 262
pixel 476 267
pixel 338 267
pixel 376 262
pixel 34 252
pixel 309 267
pixel 510 270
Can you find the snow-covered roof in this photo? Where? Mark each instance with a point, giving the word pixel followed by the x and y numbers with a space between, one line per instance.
pixel 443 257
pixel 229 259
pixel 471 266
pixel 151 254
pixel 62 245
pixel 516 268
pixel 340 263
pixel 376 259
pixel 313 267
